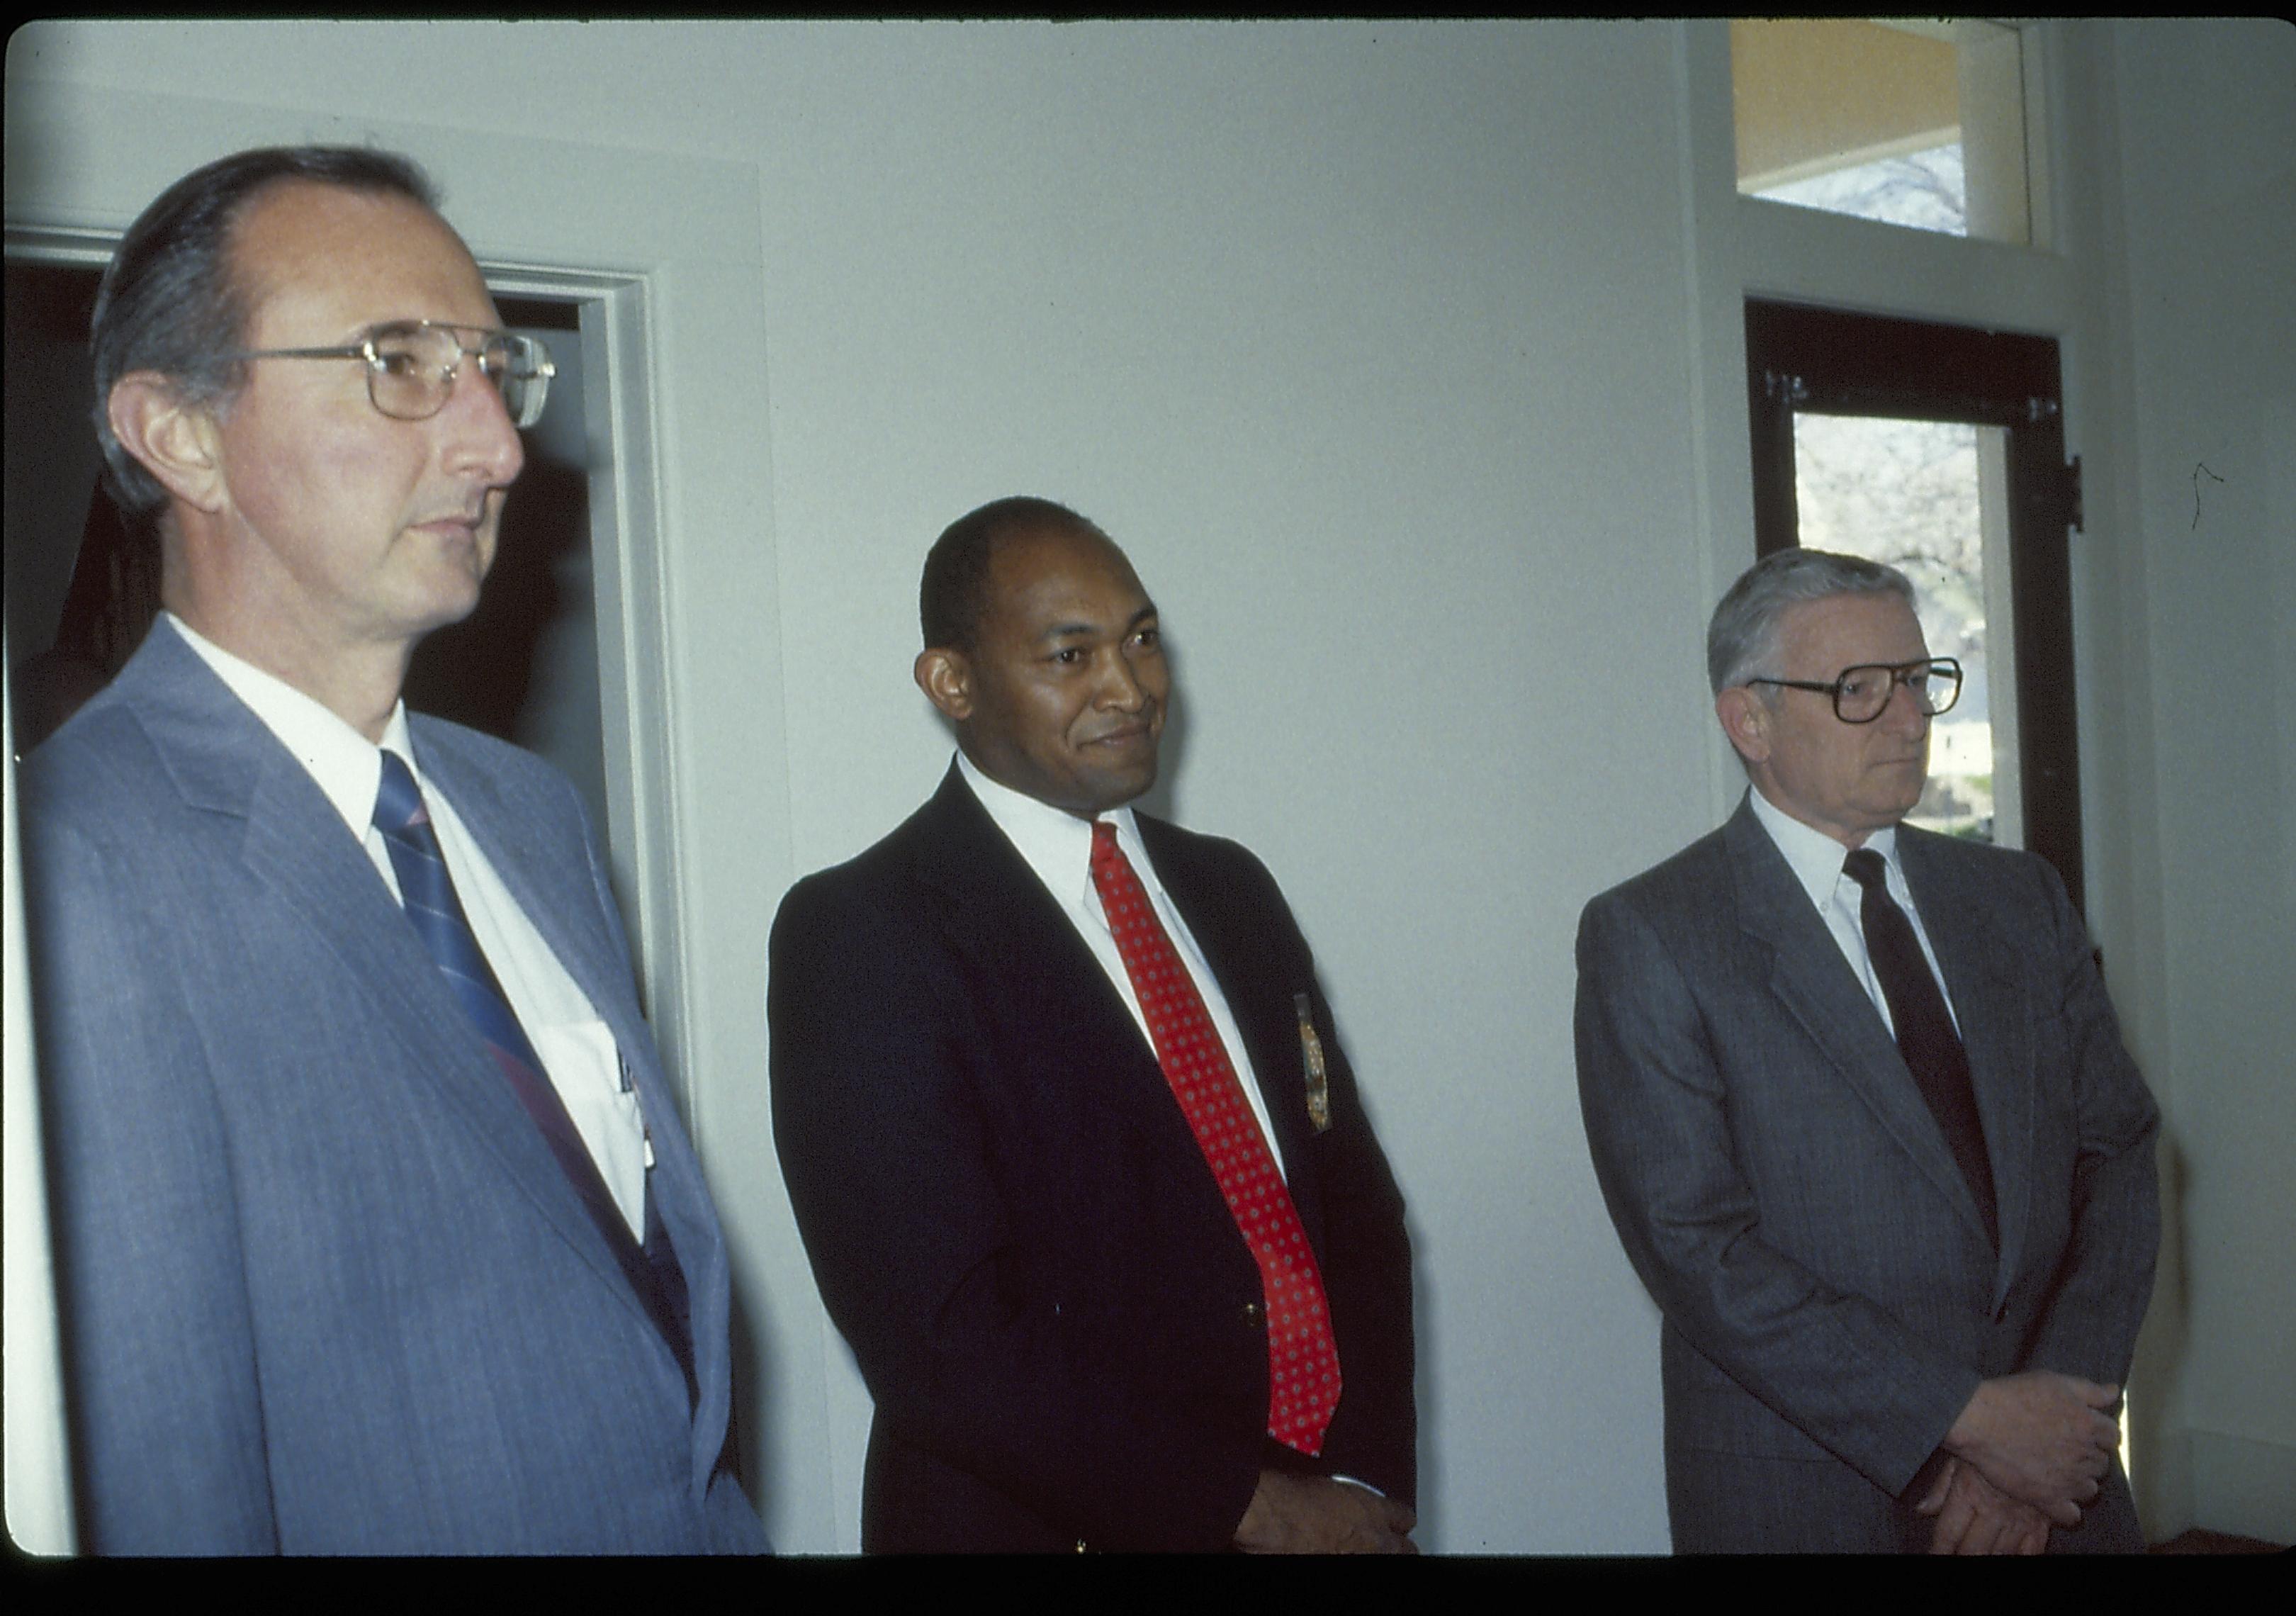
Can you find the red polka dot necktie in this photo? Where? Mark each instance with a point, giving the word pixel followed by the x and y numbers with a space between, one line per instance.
pixel 1303 1363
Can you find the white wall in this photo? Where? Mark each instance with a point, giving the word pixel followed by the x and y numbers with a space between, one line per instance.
pixel 2207 149
pixel 1404 359
pixel 1374 392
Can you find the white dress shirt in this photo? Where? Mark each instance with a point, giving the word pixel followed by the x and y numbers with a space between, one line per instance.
pixel 1057 846
pixel 576 1046
pixel 1816 859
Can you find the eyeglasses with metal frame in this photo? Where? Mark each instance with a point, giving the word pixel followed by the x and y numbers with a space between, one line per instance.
pixel 411 367
pixel 1862 693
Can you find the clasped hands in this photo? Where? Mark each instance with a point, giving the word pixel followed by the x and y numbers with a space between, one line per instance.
pixel 2028 1450
pixel 1294 1514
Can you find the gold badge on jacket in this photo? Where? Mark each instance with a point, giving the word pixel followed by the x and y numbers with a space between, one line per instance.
pixel 1311 1059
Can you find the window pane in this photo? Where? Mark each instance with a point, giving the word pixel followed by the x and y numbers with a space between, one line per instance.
pixel 1914 123
pixel 1914 494
pixel 1922 189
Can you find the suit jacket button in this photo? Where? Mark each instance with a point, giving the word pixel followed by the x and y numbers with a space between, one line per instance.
pixel 1255 1316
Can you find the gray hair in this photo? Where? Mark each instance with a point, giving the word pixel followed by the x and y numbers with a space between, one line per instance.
pixel 169 302
pixel 1742 640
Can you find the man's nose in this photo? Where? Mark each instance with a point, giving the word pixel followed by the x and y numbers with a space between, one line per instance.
pixel 1119 685
pixel 484 442
pixel 1905 709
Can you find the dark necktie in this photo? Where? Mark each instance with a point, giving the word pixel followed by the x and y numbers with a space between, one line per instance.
pixel 427 894
pixel 1303 1361
pixel 1925 1034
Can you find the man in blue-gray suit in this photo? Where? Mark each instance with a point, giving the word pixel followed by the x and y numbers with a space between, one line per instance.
pixel 1861 1113
pixel 377 1228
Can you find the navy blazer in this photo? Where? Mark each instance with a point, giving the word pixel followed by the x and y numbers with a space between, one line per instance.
pixel 1831 1298
pixel 1012 1223
pixel 323 1287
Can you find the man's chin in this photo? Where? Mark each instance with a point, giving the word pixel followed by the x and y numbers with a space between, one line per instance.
pixel 1113 790
pixel 444 607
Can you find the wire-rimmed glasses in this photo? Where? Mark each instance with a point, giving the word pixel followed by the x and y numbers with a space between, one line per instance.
pixel 411 367
pixel 1862 693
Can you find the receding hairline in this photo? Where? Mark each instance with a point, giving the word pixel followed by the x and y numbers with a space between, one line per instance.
pixel 262 202
pixel 1081 538
pixel 1079 533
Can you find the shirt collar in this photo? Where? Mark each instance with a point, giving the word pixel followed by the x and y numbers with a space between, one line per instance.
pixel 346 765
pixel 1055 843
pixel 1816 857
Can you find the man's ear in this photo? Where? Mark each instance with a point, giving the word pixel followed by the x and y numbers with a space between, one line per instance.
pixel 946 677
pixel 1746 720
pixel 175 440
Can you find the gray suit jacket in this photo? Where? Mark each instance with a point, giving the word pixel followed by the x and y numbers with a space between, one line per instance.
pixel 1829 1298
pixel 323 1285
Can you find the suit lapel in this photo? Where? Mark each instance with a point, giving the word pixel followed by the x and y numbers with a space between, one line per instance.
pixel 1234 945
pixel 1036 972
pixel 562 910
pixel 506 831
pixel 1995 1018
pixel 1026 953
pixel 1815 983
pixel 225 760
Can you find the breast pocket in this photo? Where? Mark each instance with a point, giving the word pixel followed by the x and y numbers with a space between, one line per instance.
pixel 585 1065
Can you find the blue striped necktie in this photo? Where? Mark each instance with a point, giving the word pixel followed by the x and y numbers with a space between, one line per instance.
pixel 428 893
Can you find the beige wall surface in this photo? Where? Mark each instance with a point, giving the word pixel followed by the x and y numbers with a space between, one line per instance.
pixel 1404 359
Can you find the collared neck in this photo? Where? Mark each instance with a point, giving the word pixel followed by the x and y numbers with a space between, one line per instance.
pixel 1816 857
pixel 1055 843
pixel 345 764
pixel 1057 847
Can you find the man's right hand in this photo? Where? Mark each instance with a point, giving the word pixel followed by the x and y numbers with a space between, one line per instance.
pixel 2041 1437
pixel 1975 1517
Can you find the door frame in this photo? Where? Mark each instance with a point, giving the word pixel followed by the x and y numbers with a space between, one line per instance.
pixel 1802 357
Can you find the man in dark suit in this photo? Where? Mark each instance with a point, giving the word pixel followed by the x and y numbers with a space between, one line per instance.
pixel 1861 1113
pixel 1039 1065
pixel 376 1228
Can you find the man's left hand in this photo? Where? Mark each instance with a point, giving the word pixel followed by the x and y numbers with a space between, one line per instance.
pixel 1291 1514
pixel 1975 1517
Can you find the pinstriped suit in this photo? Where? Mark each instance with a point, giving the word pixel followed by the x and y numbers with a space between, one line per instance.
pixel 324 1288
pixel 1829 1298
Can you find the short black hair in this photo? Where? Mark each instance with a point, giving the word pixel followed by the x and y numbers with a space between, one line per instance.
pixel 168 302
pixel 955 592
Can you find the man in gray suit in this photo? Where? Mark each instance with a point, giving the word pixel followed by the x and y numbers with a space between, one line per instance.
pixel 1861 1113
pixel 376 1228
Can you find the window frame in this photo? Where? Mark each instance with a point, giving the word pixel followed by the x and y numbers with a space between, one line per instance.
pixel 1831 361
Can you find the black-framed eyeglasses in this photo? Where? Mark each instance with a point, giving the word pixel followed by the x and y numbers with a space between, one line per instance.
pixel 411 367
pixel 1862 693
